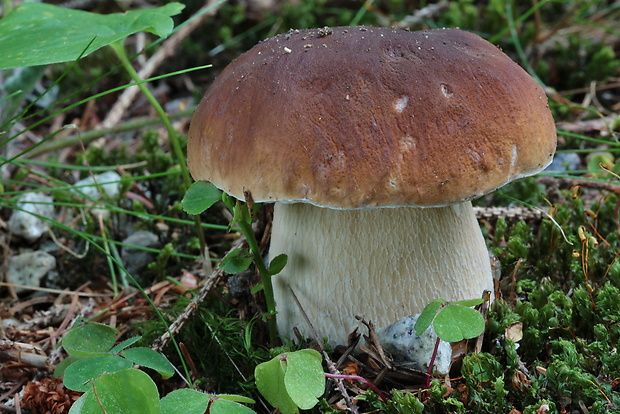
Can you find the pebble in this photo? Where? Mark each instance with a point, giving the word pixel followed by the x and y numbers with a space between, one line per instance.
pixel 408 349
pixel 135 259
pixel 30 269
pixel 564 161
pixel 108 182
pixel 24 224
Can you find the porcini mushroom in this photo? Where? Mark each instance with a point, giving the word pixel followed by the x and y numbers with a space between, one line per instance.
pixel 371 141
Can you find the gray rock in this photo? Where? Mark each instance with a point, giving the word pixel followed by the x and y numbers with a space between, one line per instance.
pixel 408 349
pixel 564 161
pixel 135 259
pixel 24 224
pixel 29 269
pixel 239 284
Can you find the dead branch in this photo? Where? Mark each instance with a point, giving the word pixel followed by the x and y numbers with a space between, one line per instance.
pixel 190 309
pixel 565 182
pixel 509 213
pixel 23 353
pixel 604 125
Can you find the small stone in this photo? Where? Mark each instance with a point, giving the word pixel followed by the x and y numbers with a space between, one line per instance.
pixel 94 188
pixel 564 161
pixel 408 349
pixel 135 259
pixel 24 224
pixel 29 269
pixel 91 187
pixel 239 284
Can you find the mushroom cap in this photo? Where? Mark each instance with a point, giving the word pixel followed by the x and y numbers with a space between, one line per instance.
pixel 359 117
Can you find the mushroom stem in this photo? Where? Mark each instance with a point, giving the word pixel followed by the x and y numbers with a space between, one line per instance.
pixel 382 264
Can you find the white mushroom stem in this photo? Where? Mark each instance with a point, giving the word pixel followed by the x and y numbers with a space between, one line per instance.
pixel 381 264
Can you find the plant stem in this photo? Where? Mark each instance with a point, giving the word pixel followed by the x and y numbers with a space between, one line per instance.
pixel 245 224
pixel 89 136
pixel 361 379
pixel 172 134
pixel 175 146
pixel 431 364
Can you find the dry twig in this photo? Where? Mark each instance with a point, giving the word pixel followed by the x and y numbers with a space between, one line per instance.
pixel 190 309
pixel 566 182
pixel 24 353
pixel 515 213
pixel 330 364
pixel 604 125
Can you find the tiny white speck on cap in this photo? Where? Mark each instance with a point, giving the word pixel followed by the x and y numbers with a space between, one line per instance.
pixel 400 104
pixel 446 91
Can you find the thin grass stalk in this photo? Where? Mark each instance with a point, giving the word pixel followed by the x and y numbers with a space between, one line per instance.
pixel 172 134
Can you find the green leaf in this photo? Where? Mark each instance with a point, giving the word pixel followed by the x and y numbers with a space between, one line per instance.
pixel 185 401
pixel 225 406
pixel 597 160
pixel 59 371
pixel 257 288
pixel 200 196
pixel 123 392
pixel 89 340
pixel 228 201
pixel 277 264
pixel 129 391
pixel 78 374
pixel 455 323
pixel 40 34
pixel 304 378
pixel 150 359
pixel 241 213
pixel 236 261
pixel 469 302
pixel 79 406
pixel 292 380
pixel 270 383
pixel 125 344
pixel 236 398
pixel 428 315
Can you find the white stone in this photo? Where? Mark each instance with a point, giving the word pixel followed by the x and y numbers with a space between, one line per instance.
pixel 400 340
pixel 91 187
pixel 94 188
pixel 29 269
pixel 24 224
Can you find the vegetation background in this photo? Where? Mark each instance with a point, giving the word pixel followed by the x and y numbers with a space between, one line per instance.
pixel 560 278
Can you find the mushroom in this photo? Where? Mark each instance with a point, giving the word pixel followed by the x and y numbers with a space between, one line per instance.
pixel 371 142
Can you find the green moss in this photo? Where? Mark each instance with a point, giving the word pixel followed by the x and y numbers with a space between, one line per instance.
pixel 484 377
pixel 404 403
pixel 579 61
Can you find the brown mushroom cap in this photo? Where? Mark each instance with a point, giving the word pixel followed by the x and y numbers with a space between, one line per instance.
pixel 353 117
